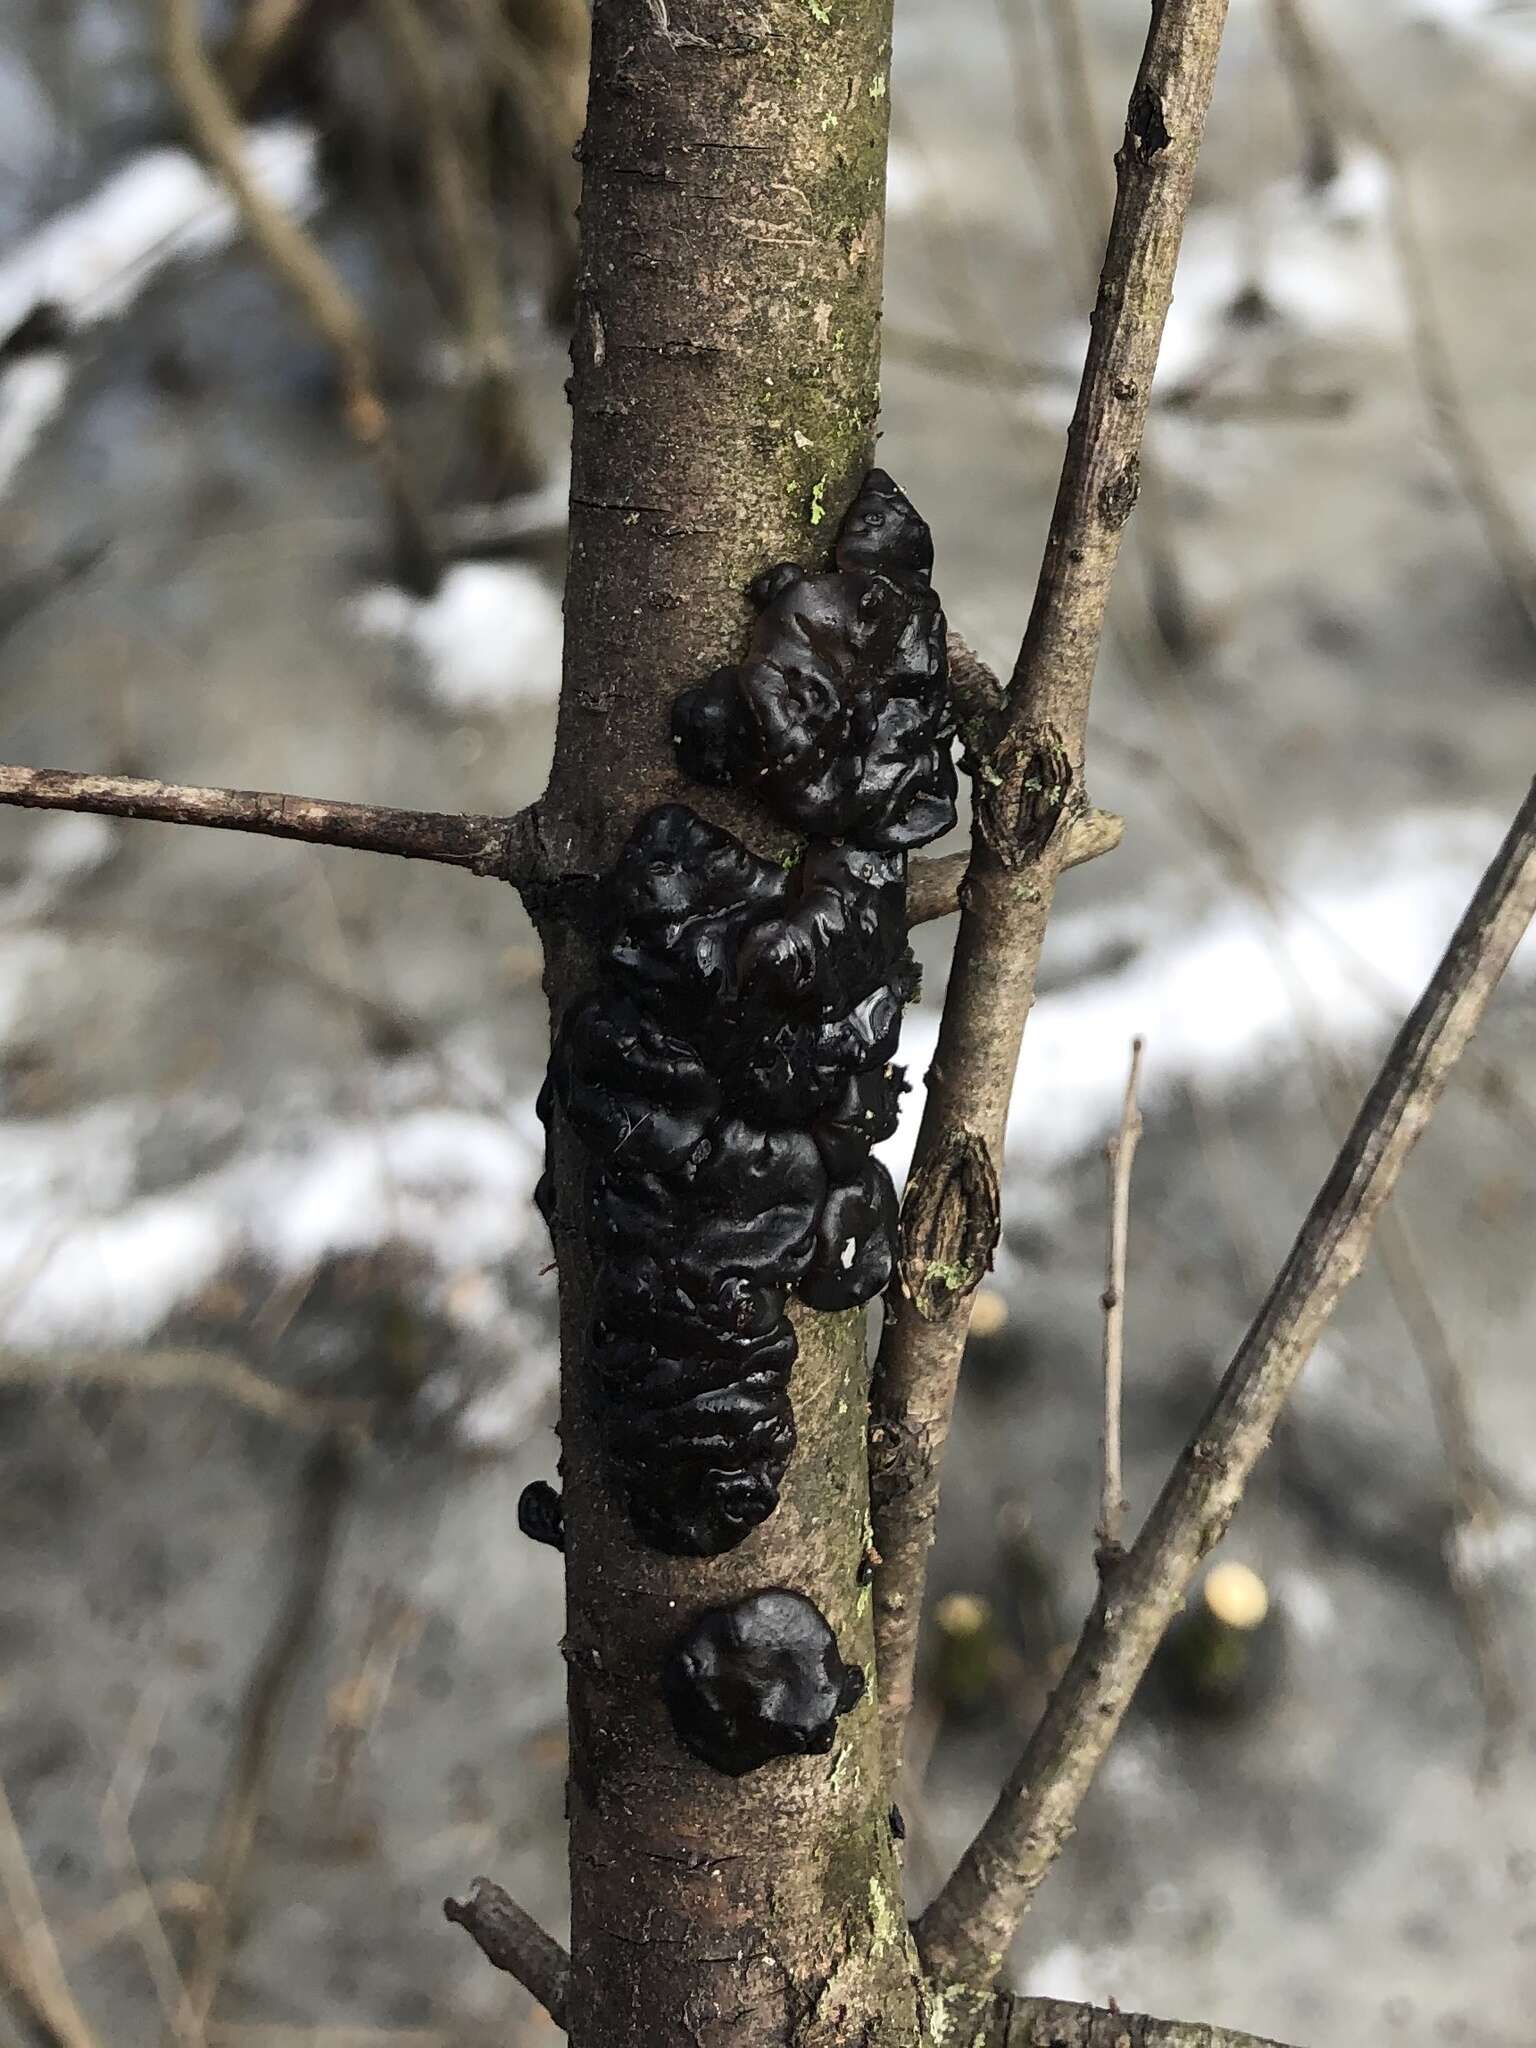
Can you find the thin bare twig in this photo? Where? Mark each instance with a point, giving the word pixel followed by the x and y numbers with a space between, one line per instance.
pixel 462 204
pixel 162 1371
pixel 1215 813
pixel 280 239
pixel 988 2019
pixel 1028 789
pixel 1053 2023
pixel 1119 1154
pixel 514 1942
pixel 257 39
pixel 934 886
pixel 298 262
pixel 966 1931
pixel 34 1961
pixel 1325 84
pixel 499 847
pixel 1474 1501
pixel 326 1487
pixel 123 1789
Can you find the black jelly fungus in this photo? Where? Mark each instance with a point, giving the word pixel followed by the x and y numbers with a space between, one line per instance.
pixel 541 1514
pixel 733 1067
pixel 760 1679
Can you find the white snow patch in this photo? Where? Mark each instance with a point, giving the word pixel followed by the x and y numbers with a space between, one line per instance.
pixel 61 847
pixel 1503 30
pixel 1075 1975
pixel 85 1260
pixel 1214 991
pixel 1321 261
pixel 1482 1550
pixel 93 260
pixel 491 638
pixel 31 394
pixel 907 183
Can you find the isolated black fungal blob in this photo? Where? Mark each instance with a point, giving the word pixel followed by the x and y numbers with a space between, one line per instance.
pixel 758 1680
pixel 541 1514
pixel 733 1067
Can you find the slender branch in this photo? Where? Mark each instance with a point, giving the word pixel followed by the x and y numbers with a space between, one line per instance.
pixel 934 886
pixel 298 262
pixel 153 1372
pixel 462 205
pixel 33 1964
pixel 325 1489
pixel 1052 2023
pixel 992 2019
pixel 1325 86
pixel 967 1929
pixel 505 848
pixel 282 242
pixel 257 40
pixel 1119 1155
pixel 515 1942
pixel 1028 757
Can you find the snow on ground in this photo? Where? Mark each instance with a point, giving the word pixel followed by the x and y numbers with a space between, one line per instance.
pixel 1502 30
pixel 92 261
pixel 1224 995
pixel 88 1258
pixel 1318 261
pixel 489 640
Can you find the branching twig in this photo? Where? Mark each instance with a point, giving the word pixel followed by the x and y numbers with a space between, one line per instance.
pixel 298 263
pixel 934 886
pixel 514 1942
pixel 504 848
pixel 326 1488
pixel 34 1961
pixel 987 2019
pixel 1325 85
pixel 1029 764
pixel 257 39
pixel 1052 2023
pixel 1119 1154
pixel 969 1926
pixel 141 1372
pixel 463 215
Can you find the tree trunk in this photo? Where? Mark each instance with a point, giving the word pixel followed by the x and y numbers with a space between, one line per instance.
pixel 726 359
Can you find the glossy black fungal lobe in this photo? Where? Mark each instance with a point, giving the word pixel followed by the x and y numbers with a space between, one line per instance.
pixel 839 718
pixel 758 1680
pixel 541 1514
pixel 733 1067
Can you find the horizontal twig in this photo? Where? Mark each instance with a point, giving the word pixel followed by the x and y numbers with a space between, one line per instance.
pixel 933 886
pixel 1053 2023
pixel 966 1931
pixel 515 1942
pixel 493 846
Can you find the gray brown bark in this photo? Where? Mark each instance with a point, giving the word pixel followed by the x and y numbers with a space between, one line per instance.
pixel 725 390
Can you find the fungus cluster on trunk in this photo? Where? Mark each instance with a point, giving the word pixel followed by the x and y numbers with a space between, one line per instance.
pixel 732 1069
